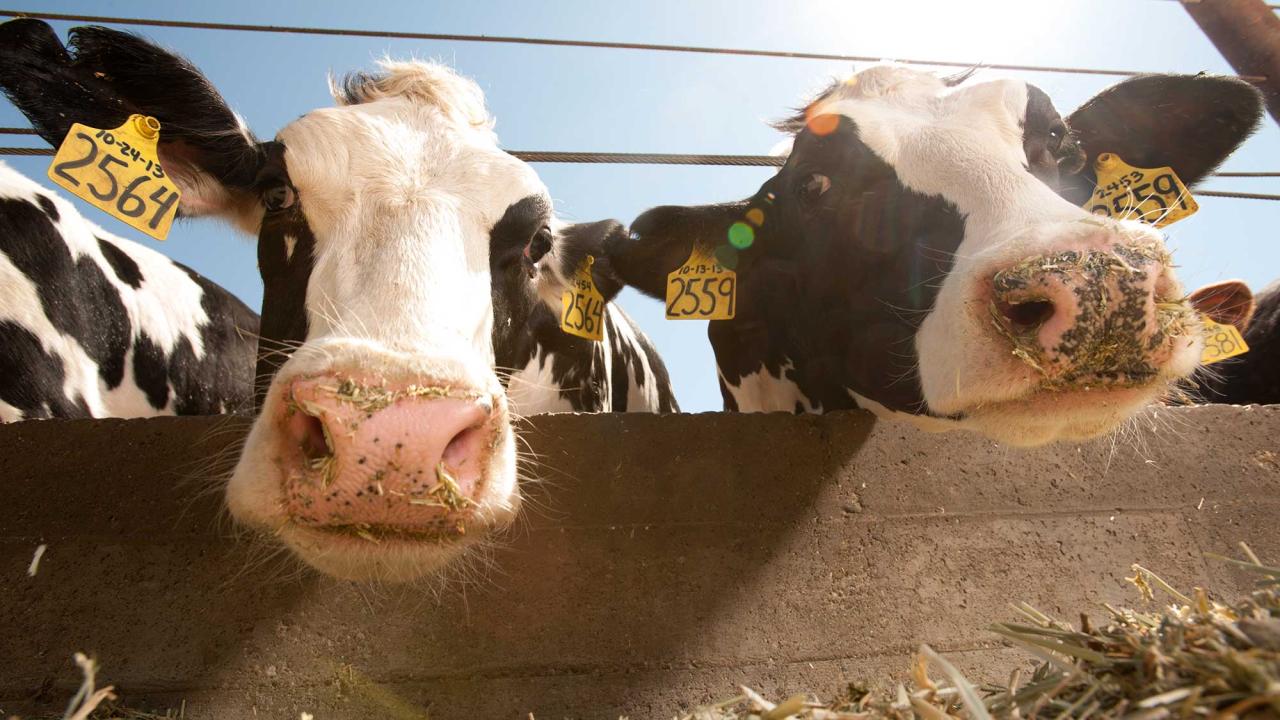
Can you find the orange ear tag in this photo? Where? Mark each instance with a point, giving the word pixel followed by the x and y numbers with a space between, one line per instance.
pixel 119 172
pixel 1152 195
pixel 1221 342
pixel 702 289
pixel 582 305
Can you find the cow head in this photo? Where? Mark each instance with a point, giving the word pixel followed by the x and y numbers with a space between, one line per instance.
pixel 923 252
pixel 390 229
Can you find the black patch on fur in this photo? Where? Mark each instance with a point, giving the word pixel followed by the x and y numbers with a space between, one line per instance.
pixel 75 295
pixel 123 265
pixel 49 208
pixel 31 380
pixel 151 371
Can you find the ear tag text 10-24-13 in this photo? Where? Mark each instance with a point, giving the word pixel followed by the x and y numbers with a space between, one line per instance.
pixel 118 171
pixel 582 305
pixel 1152 195
pixel 702 289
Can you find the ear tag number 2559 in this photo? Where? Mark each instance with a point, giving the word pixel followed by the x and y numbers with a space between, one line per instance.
pixel 119 172
pixel 702 289
pixel 582 305
pixel 1153 195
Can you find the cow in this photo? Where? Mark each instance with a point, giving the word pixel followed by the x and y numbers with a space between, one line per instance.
pixel 923 254
pixel 411 269
pixel 94 325
pixel 1252 378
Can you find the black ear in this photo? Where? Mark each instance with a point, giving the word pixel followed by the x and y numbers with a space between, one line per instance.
pixel 574 242
pixel 661 240
pixel 39 76
pixel 1190 123
pixel 105 75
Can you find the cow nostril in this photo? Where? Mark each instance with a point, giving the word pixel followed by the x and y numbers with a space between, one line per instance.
pixel 309 432
pixel 1024 316
pixel 463 446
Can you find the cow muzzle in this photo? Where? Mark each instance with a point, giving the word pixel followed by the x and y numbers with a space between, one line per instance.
pixel 385 460
pixel 1091 317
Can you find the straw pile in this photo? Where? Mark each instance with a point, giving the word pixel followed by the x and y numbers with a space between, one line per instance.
pixel 1194 658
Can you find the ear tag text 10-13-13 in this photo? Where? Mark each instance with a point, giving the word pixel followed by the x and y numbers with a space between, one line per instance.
pixel 702 289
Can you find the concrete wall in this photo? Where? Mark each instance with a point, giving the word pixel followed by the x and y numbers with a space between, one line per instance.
pixel 663 560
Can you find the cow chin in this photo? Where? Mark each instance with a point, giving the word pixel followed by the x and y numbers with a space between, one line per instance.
pixel 1060 415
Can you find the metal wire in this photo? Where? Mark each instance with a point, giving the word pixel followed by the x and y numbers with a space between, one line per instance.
pixel 678 159
pixel 401 35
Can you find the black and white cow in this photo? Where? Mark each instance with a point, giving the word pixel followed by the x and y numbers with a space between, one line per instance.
pixel 923 254
pixel 1252 378
pixel 93 325
pixel 408 264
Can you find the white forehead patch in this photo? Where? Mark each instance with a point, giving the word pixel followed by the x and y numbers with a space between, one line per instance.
pixel 962 143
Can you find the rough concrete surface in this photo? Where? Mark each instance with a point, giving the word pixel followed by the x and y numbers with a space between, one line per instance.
pixel 661 561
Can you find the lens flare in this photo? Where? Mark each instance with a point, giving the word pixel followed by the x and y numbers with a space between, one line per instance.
pixel 741 235
pixel 822 123
pixel 727 256
pixel 755 216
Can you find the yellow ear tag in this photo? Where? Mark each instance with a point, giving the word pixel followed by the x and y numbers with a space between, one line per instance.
pixel 1221 342
pixel 702 289
pixel 119 172
pixel 1153 195
pixel 582 305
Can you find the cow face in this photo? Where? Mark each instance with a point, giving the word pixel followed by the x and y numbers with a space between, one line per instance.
pixel 389 228
pixel 922 253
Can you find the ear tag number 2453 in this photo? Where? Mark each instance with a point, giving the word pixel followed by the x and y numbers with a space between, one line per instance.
pixel 119 172
pixel 582 305
pixel 702 289
pixel 1153 195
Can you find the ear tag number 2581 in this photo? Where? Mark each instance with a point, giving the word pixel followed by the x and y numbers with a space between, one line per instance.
pixel 1221 342
pixel 702 289
pixel 119 172
pixel 1153 195
pixel 582 305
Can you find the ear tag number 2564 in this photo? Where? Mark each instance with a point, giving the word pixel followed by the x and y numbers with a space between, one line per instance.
pixel 119 172
pixel 702 289
pixel 1153 195
pixel 582 305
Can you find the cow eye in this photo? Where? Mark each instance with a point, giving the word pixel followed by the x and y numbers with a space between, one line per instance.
pixel 814 186
pixel 280 196
pixel 539 245
pixel 1057 133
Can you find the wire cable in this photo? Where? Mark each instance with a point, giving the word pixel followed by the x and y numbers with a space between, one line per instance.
pixel 454 37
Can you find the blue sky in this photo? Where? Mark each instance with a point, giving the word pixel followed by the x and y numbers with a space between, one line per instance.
pixel 549 98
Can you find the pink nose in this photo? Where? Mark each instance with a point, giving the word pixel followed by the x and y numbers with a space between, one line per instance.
pixel 1088 315
pixel 377 458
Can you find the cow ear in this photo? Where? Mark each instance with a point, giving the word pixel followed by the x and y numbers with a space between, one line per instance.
pixel 103 76
pixel 662 239
pixel 1229 302
pixel 573 243
pixel 1190 123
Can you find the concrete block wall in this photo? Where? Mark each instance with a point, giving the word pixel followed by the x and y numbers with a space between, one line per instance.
pixel 661 561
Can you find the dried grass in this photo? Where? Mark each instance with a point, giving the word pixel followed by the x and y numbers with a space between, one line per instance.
pixel 1194 658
